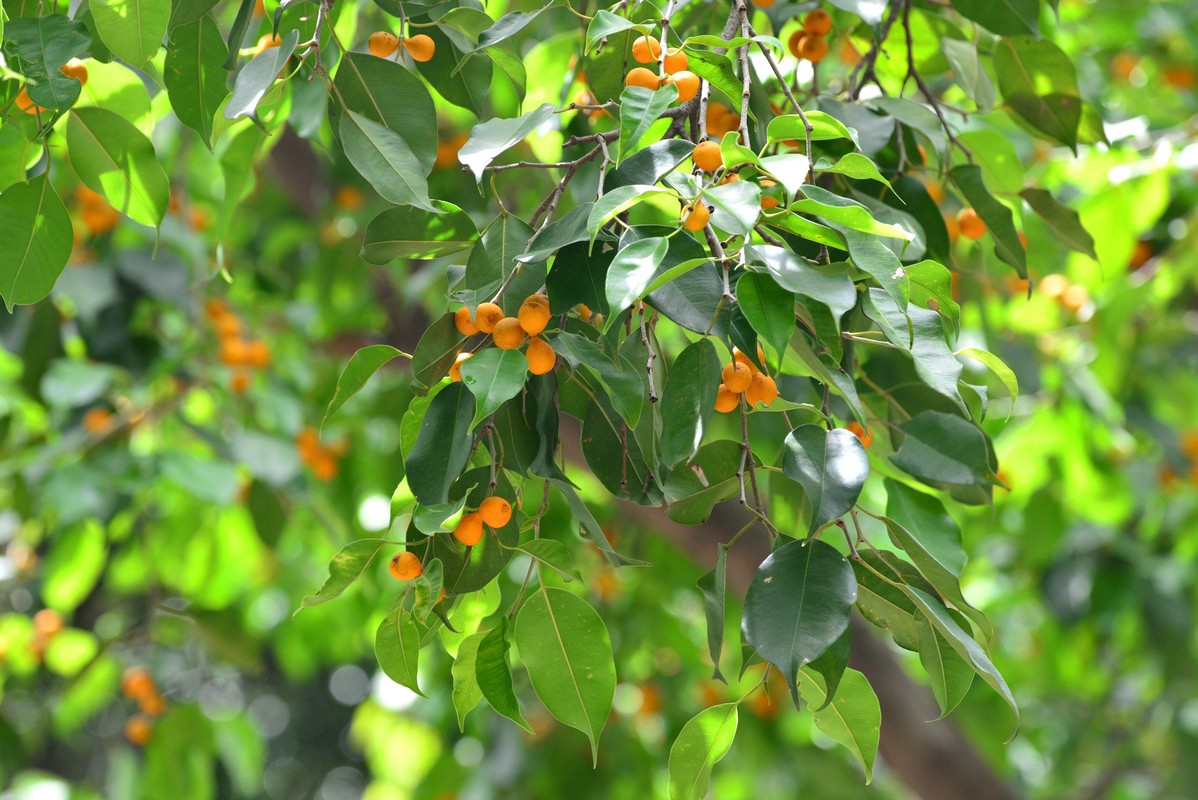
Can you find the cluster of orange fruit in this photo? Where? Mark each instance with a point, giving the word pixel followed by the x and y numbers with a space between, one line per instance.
pixel 317 456
pixel 138 685
pixel 808 43
pixel 236 352
pixel 494 511
pixel 96 214
pixel 47 624
pixel 508 332
pixel 98 421
pixel 384 44
pixel 969 224
pixel 674 63
pixel 1072 296
pixel 742 377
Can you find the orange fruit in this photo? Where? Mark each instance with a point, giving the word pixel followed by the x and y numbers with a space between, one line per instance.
pixel 463 322
pixel 233 352
pixel 382 44
pixel 265 42
pixel 48 622
pixel 533 315
pixel 694 218
pixel 25 102
pixel 447 151
pixel 795 43
pixel 646 50
pixel 228 326
pixel 1075 298
pixel 850 56
pixel 487 316
pixel 257 353
pixel 708 156
pixel 152 705
pixel 324 467
pixel 675 61
pixel 138 730
pixel 405 566
pixel 240 382
pixel 639 76
pixel 97 420
pixel 741 357
pixel 687 83
pixel 1054 285
pixel 508 335
pixel 455 372
pixel 764 3
pixel 762 389
pixel 215 308
pixel 817 22
pixel 420 47
pixel 1189 445
pixel 584 312
pixel 813 48
pixel 541 357
pixel 348 198
pixel 726 400
pixel 737 377
pixel 75 68
pixel 469 530
pixel 865 436
pixel 495 511
pixel 935 190
pixel 970 224
pixel 137 683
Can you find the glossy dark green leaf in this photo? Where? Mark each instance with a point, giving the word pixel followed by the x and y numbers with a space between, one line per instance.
pixel 831 666
pixel 495 676
pixel 195 81
pixel 1039 82
pixel 1000 222
pixel 345 568
pixel 932 287
pixel 256 78
pixel 883 604
pixel 688 401
pixel 623 380
pixel 397 647
pixel 361 366
pixel 489 139
pixel 650 164
pixel 831 466
pixel 553 554
pixel 603 25
pixel 463 84
pixel 824 126
pixel 435 353
pixel 405 232
pixel 693 489
pixel 443 446
pixel 384 158
pixel 825 284
pixel 737 206
pixel 427 590
pixel 466 691
pixel 704 740
pixel 1062 220
pixel 944 448
pixel 1004 17
pixel 948 673
pixel 579 275
pixel 631 272
pixel 494 376
pixel 386 93
pixel 639 109
pixel 768 307
pixel 798 605
pixel 237 30
pixel 853 718
pixel 41 46
pixel 591 527
pixel 116 160
pixel 568 229
pixel 490 264
pixel 924 340
pixel 614 456
pixel 35 241
pixel 565 646
pixel 713 587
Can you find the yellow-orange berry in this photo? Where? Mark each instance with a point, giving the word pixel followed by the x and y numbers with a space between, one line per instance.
pixel 420 47
pixel 487 316
pixel 257 353
pixel 265 42
pixel 97 420
pixel 741 357
pixel 138 730
pixel 675 61
pixel 694 218
pixel 508 335
pixel 324 467
pixel 495 511
pixel 215 308
pixel 382 44
pixel 708 156
pixel 541 357
pixel 152 705
pixel 533 315
pixel 737 377
pixel 1075 298
pixel 795 43
pixel 646 49
pixel 463 322
pixel 240 382
pixel 405 566
pixel 813 48
pixel 1054 285
pixel 455 372
pixel 762 389
pixel 639 76
pixel 469 530
pixel 25 102
pixel 687 83
pixel 970 224
pixel 764 3
pixel 48 622
pixel 864 435
pixel 584 312
pixel 137 683
pixel 233 352
pixel 726 400
pixel 817 22
pixel 75 68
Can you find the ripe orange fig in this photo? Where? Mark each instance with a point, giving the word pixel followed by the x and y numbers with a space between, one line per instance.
pixel 813 48
pixel 469 530
pixel 764 3
pixel 487 316
pixel 675 61
pixel 405 566
pixel 48 622
pixel 737 377
pixel 865 436
pixel 138 730
pixel 240 382
pixel 97 420
pixel 694 217
pixel 541 357
pixel 508 335
pixel 137 683
pixel 639 76
pixel 75 68
pixel 534 315
pixel 152 705
pixel 646 50
pixel 726 400
pixel 762 389
pixel 687 83
pixel 257 353
pixel 383 44
pixel 970 224
pixel 420 47
pixel 495 511
pixel 463 322
pixel 25 102
pixel 708 156
pixel 455 372
pixel 817 22
pixel 795 43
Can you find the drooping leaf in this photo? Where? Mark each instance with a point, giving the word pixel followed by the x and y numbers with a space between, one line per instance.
pixel 41 46
pixel 463 82
pixel 345 568
pixel 924 340
pixel 944 448
pixel 995 365
pixel 768 307
pixel 853 718
pixel 116 160
pixel 256 78
pixel 639 109
pixel 397 647
pixel 948 673
pixel 1039 82
pixel 384 158
pixel 712 585
pixel 831 466
pixel 132 29
pixel 565 646
pixel 493 376
pixel 1000 222
pixel 405 232
pixel 688 401
pixel 631 272
pixel 1003 17
pixel 466 691
pixel 495 676
pixel 1062 220
pixel 195 82
pixel 443 446
pixel 361 366
pixel 435 353
pixel 827 285
pixel 704 740
pixel 553 554
pixel 384 92
pixel 35 241
pixel 968 71
pixel 737 206
pixel 489 139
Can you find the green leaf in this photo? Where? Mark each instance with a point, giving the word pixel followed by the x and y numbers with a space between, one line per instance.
pixel 494 376
pixel 386 93
pixel 439 518
pixel 824 284
pixel 553 554
pixel 713 587
pixel 831 466
pixel 194 79
pixel 924 340
pixel 1062 220
pixel 565 646
pixel 570 228
pixel 590 526
pixel 824 127
pixel 995 365
pixel 443 446
pixel 461 82
pixel 798 604
pixel 257 77
pixel 507 26
pixel 614 454
pixel 41 46
pixel 495 676
pixel 604 24
pixel 435 353
pixel 397 647
pixel 842 211
pixel 968 71
pixel 1039 83
pixel 948 673
pixel 1000 222
pixel 692 489
pixel 737 206
pixel 237 31
pixel 618 201
pixel 768 307
pixel 704 740
pixel 791 169
pixel 489 139
pixel 716 69
pixel 76 561
pixel 651 164
pixel 884 605
pixel 466 691
pixel 631 272
pixel 132 29
pixel 639 109
pixel 411 233
pixel 944 448
pixel 931 283
pixel 35 241
pixel 382 157
pixel 853 165
pixel 853 718
pixel 832 664
pixel 236 166
pixel 427 588
pixel 70 650
pixel 361 366
pixel 688 401
pixel 345 568
pixel 116 160
pixel 1003 17
pixel 579 275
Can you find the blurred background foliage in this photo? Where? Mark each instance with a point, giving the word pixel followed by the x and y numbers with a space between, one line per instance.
pixel 161 509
